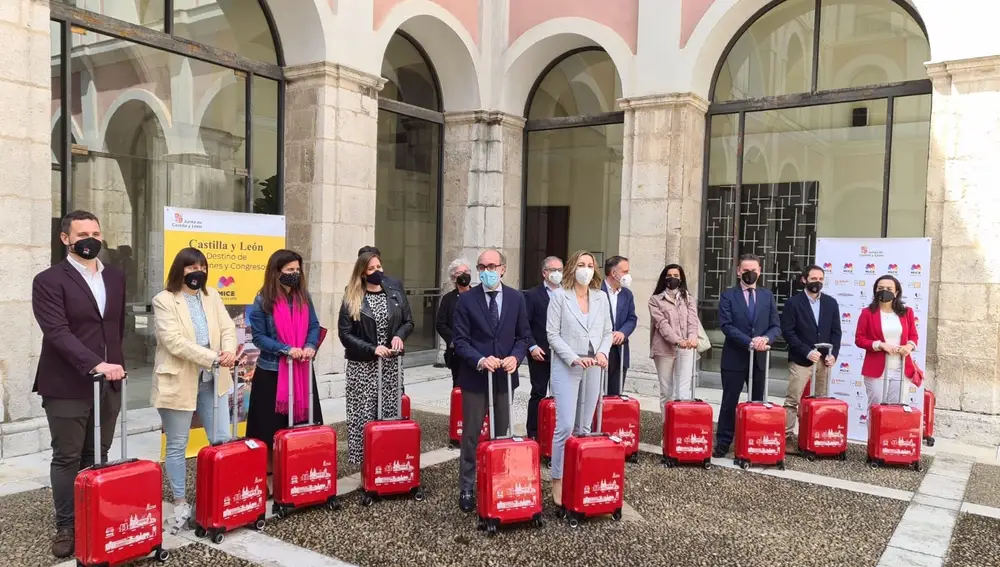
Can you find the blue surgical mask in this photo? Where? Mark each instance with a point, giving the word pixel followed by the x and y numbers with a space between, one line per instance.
pixel 489 279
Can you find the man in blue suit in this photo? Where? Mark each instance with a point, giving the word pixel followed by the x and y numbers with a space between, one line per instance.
pixel 809 318
pixel 617 280
pixel 540 363
pixel 748 317
pixel 491 334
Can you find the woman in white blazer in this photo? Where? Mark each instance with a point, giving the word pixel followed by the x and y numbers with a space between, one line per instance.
pixel 579 331
pixel 193 333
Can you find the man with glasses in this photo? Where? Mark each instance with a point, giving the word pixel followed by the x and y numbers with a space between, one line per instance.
pixel 540 363
pixel 491 334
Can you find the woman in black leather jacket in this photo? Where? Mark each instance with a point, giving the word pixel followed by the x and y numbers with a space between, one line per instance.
pixel 374 321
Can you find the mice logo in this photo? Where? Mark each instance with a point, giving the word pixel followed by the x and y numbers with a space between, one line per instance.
pixel 845 367
pixel 916 269
pixel 827 267
pixel 848 268
pixel 893 269
pixel 864 249
pixel 845 318
pixel 178 218
pixel 870 269
pixel 226 281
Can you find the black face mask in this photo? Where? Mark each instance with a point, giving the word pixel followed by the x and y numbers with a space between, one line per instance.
pixel 87 248
pixel 885 296
pixel 673 283
pixel 196 280
pixel 464 279
pixel 291 280
pixel 749 277
pixel 374 278
pixel 814 287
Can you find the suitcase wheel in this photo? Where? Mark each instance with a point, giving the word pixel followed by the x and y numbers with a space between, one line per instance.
pixel 873 463
pixel 162 554
pixel 634 458
pixel 574 522
pixel 781 465
pixel 617 515
pixel 418 493
pixel 929 441
pixel 810 457
pixel 333 504
pixel 537 521
pixel 842 456
pixel 367 500
pixel 491 530
pixel 481 524
pixel 707 464
pixel 279 510
pixel 259 524
pixel 741 463
pixel 668 462
pixel 199 532
pixel 548 462
pixel 918 466
pixel 218 537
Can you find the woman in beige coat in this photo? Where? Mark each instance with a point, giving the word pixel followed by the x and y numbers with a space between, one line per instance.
pixel 673 340
pixel 196 342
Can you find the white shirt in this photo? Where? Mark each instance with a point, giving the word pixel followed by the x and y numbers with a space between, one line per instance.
pixel 892 330
pixel 95 281
pixel 613 299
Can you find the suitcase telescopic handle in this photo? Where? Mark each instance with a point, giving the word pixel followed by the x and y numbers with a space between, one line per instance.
pixel 291 390
pixel 233 415
pixel 694 374
pixel 600 399
pixel 99 380
pixel 820 347
pixel 491 405
pixel 767 371
pixel 399 383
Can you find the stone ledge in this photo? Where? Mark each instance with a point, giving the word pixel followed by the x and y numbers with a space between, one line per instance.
pixel 664 101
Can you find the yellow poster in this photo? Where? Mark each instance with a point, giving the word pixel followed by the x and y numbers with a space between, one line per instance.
pixel 237 246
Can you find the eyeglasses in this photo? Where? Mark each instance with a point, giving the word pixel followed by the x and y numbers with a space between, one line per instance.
pixel 488 267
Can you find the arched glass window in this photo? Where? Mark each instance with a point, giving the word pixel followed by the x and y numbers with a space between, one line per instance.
pixel 143 118
pixel 830 103
pixel 573 169
pixel 408 182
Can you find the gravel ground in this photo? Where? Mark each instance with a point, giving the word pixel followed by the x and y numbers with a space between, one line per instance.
pixel 26 527
pixel 984 485
pixel 974 543
pixel 688 517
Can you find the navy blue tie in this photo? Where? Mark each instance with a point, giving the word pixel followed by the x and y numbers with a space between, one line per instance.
pixel 751 303
pixel 494 310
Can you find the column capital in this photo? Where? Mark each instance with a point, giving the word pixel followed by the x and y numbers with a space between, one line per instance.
pixel 323 71
pixel 490 117
pixel 664 100
pixel 964 70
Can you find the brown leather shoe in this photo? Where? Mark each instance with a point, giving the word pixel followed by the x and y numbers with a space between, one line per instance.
pixel 63 543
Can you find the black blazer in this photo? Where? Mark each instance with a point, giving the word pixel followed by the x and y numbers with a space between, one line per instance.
pixel 361 337
pixel 75 338
pixel 475 337
pixel 443 324
pixel 536 302
pixel 740 326
pixel 801 331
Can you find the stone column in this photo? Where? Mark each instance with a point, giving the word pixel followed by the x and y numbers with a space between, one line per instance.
pixel 482 188
pixel 661 200
pixel 331 146
pixel 962 220
pixel 25 195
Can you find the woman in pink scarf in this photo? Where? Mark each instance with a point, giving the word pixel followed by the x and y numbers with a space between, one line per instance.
pixel 284 325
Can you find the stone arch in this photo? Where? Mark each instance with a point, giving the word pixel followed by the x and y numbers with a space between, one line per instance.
pixel 450 50
pixel 75 130
pixel 156 106
pixel 722 23
pixel 538 47
pixel 219 84
pixel 588 95
pixel 302 30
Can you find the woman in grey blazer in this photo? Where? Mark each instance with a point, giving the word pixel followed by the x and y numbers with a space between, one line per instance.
pixel 579 329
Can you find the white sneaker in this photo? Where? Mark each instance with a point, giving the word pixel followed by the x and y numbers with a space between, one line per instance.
pixel 182 513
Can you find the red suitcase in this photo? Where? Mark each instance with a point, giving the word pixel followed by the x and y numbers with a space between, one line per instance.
pixel 894 430
pixel 930 402
pixel 760 426
pixel 546 427
pixel 305 460
pixel 593 474
pixel 508 475
pixel 232 487
pixel 391 462
pixel 687 430
pixel 621 419
pixel 118 505
pixel 822 421
pixel 455 420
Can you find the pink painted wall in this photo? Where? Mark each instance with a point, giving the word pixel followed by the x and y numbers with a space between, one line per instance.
pixel 622 16
pixel 465 11
pixel 692 11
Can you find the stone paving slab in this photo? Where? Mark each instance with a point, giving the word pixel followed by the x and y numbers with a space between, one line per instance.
pixel 854 469
pixel 197 555
pixel 984 486
pixel 975 542
pixel 677 517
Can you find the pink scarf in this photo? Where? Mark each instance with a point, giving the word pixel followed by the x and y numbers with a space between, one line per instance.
pixel 292 325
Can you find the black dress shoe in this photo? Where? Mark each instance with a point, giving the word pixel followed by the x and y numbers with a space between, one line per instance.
pixel 466 501
pixel 720 452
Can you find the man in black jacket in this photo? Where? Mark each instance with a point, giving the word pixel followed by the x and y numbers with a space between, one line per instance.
pixel 536 300
pixel 809 318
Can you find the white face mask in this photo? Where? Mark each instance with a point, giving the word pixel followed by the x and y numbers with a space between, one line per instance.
pixel 555 278
pixel 626 281
pixel 584 275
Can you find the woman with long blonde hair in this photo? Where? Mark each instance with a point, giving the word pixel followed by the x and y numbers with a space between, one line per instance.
pixel 374 321
pixel 579 330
